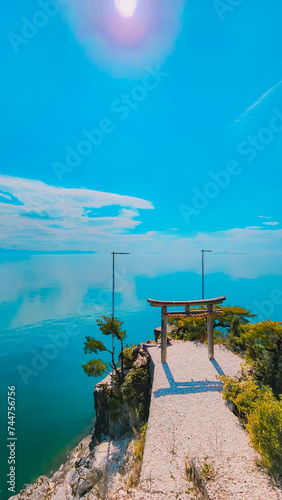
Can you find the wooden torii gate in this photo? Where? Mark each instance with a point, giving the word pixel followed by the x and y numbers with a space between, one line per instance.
pixel 208 313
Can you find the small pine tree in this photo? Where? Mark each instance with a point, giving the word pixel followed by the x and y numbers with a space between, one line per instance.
pixel 96 367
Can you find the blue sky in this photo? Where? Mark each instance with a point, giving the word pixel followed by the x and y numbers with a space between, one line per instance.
pixel 205 86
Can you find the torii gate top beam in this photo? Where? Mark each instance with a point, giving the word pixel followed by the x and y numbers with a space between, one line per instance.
pixel 171 303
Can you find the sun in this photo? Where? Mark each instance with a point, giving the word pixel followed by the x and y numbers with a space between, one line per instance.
pixel 126 8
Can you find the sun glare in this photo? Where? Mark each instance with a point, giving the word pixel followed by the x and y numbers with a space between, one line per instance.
pixel 126 8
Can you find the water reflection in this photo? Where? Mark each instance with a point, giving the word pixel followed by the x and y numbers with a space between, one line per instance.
pixel 43 288
pixel 40 288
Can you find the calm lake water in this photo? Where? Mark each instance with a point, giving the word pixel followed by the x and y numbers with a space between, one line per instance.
pixel 49 303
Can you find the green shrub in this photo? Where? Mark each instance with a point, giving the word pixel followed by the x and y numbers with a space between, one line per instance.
pixel 228 326
pixel 135 390
pixel 114 404
pixel 262 413
pixel 265 429
pixel 142 412
pixel 134 384
pixel 234 343
pixel 264 352
pixel 188 329
pixel 128 359
pixel 244 393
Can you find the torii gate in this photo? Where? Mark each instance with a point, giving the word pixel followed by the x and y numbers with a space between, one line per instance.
pixel 208 313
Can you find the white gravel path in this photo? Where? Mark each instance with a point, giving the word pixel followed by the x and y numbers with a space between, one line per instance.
pixel 189 418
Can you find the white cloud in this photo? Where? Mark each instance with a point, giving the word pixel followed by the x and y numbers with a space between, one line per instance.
pixel 268 222
pixel 39 216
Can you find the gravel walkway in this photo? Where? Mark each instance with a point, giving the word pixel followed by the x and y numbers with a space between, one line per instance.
pixel 190 420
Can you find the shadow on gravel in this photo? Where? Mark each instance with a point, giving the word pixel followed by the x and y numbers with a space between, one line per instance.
pixel 193 387
pixel 217 367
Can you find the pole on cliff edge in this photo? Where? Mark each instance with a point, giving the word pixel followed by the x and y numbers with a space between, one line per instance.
pixel 203 273
pixel 113 293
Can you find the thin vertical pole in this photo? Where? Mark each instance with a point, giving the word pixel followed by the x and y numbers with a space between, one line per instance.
pixel 113 298
pixel 203 272
pixel 113 311
pixel 203 276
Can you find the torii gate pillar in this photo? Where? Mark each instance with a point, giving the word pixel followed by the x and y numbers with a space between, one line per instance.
pixel 210 332
pixel 164 335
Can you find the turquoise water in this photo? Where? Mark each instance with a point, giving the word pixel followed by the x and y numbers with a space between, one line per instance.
pixel 49 303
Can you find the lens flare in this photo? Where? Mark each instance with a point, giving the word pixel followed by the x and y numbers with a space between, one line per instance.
pixel 124 37
pixel 126 8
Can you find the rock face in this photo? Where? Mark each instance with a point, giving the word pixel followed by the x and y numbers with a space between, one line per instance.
pixel 101 409
pixel 110 422
pixel 114 416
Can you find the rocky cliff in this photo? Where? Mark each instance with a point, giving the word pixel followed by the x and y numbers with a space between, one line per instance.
pixel 102 464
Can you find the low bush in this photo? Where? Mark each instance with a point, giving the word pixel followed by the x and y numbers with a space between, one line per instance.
pixel 128 358
pixel 228 327
pixel 264 352
pixel 188 329
pixel 265 429
pixel 261 413
pixel 244 393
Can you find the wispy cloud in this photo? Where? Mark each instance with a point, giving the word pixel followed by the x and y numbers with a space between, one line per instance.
pixel 258 101
pixel 44 216
pixel 268 222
